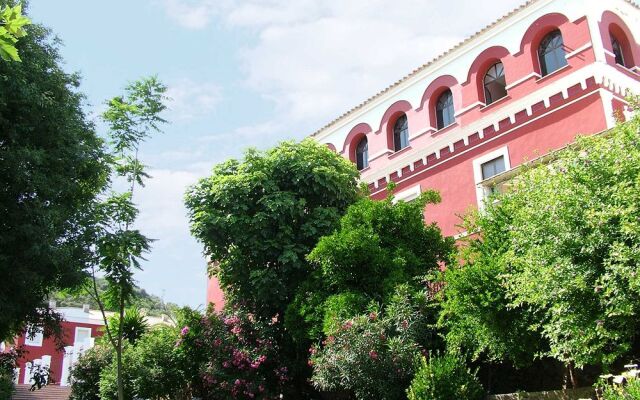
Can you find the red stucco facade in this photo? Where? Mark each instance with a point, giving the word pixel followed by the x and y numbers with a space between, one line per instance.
pixel 541 111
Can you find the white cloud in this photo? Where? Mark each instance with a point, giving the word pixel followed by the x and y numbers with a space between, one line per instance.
pixel 190 14
pixel 316 60
pixel 163 214
pixel 189 99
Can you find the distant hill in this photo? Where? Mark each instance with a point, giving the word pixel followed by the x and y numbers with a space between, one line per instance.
pixel 153 304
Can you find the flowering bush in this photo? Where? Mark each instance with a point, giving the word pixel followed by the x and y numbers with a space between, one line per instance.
pixel 443 378
pixel 8 361
pixel 373 355
pixel 237 356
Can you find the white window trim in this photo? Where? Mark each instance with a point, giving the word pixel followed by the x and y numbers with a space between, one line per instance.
pixel 37 338
pixel 80 329
pixel 477 171
pixel 408 194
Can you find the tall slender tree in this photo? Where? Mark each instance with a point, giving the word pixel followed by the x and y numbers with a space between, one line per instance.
pixel 131 119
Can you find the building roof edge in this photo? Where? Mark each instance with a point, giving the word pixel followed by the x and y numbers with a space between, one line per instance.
pixel 421 68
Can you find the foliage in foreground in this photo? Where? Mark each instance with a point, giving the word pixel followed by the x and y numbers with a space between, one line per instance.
pixel 235 354
pixel 85 374
pixel 8 362
pixel 378 246
pixel 630 391
pixel 52 165
pixel 373 355
pixel 557 256
pixel 259 218
pixel 443 378
pixel 12 24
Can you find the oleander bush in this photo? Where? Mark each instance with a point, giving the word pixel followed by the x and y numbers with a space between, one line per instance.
pixel 373 355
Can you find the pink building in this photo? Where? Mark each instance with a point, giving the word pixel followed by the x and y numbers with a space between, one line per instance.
pixel 520 88
pixel 523 86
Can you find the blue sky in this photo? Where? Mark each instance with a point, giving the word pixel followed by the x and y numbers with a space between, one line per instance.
pixel 241 73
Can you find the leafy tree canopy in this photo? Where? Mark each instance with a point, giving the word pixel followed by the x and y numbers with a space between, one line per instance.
pixel 52 165
pixel 378 246
pixel 259 217
pixel 566 248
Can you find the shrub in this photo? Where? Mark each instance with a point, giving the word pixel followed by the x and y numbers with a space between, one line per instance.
pixel 85 375
pixel 443 378
pixel 236 355
pixel 373 355
pixel 618 392
pixel 8 361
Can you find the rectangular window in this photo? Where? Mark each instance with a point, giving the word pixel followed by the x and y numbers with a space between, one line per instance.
pixel 36 340
pixel 488 173
pixel 493 167
pixel 83 336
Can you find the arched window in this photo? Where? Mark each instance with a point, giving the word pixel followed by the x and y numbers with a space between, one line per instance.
pixel 495 85
pixel 401 133
pixel 617 50
pixel 444 110
pixel 362 154
pixel 551 53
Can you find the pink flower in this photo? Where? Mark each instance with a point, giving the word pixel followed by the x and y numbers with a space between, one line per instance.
pixel 184 331
pixel 373 355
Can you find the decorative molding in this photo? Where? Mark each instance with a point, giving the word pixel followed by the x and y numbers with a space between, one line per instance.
pixel 469 108
pixel 458 154
pixel 523 79
pixel 579 50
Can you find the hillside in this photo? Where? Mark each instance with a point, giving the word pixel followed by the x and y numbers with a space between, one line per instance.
pixel 154 305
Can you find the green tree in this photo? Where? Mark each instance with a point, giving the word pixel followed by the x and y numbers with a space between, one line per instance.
pixel 571 248
pixel 131 119
pixel 12 24
pixel 378 246
pixel 259 217
pixel 52 165
pixel 477 314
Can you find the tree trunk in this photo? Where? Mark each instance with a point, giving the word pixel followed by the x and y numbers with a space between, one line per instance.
pixel 119 350
pixel 572 375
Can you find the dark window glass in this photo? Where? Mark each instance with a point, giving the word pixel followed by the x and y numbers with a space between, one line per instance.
pixel 401 133
pixel 444 110
pixel 617 50
pixel 493 167
pixel 495 85
pixel 551 53
pixel 362 154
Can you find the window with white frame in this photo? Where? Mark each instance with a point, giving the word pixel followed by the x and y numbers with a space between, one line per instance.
pixel 33 339
pixel 83 336
pixel 486 169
